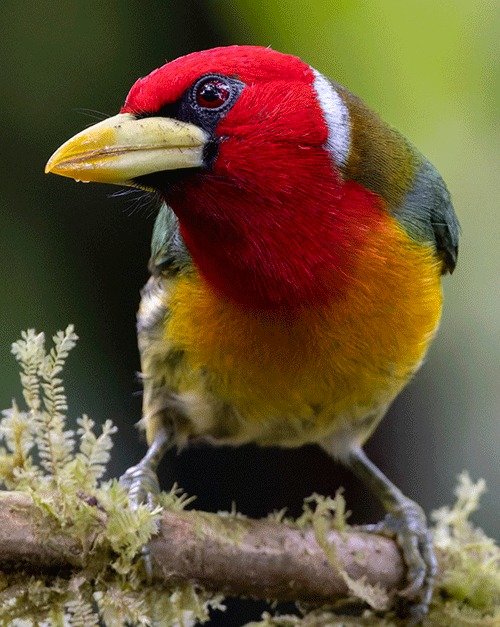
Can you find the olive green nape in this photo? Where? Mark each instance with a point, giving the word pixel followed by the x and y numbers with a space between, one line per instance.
pixel 386 163
pixel 380 158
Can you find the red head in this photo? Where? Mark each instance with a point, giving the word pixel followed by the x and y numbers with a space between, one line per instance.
pixel 278 176
pixel 267 217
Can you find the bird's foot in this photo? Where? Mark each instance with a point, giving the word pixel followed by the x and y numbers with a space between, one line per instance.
pixel 407 525
pixel 142 484
pixel 143 487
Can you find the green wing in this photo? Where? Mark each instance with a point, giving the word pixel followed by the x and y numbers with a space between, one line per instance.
pixel 427 214
pixel 168 250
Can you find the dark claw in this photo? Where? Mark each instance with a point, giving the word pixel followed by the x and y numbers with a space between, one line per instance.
pixel 407 525
pixel 416 614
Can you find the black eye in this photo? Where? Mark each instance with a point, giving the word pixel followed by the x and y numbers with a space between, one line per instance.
pixel 212 93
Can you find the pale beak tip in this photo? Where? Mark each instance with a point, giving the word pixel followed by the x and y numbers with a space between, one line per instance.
pixel 51 164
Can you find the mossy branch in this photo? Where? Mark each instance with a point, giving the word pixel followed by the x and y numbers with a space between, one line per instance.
pixel 70 544
pixel 230 554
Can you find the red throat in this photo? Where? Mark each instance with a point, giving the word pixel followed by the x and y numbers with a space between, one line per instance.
pixel 292 242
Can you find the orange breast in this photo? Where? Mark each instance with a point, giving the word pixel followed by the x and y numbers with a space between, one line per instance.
pixel 316 364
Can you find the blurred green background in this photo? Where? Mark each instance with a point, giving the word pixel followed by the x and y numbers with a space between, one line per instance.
pixel 74 253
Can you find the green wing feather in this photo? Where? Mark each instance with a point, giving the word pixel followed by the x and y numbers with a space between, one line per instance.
pixel 168 250
pixel 427 214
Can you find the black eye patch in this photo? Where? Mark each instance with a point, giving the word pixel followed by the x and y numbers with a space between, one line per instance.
pixel 204 103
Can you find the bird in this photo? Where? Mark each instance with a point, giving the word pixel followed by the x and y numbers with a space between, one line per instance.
pixel 296 264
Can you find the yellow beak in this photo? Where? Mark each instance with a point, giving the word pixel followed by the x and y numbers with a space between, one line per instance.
pixel 121 148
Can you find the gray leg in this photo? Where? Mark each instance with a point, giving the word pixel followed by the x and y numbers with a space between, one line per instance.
pixel 141 480
pixel 405 522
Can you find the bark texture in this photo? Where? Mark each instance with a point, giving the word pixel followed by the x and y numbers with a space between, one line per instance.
pixel 233 555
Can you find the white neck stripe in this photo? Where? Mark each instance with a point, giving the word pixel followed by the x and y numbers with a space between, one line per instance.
pixel 337 119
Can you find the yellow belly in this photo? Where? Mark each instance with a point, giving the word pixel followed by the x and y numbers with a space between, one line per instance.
pixel 317 369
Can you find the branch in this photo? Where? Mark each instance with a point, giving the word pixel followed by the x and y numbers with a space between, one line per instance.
pixel 228 554
pixel 266 559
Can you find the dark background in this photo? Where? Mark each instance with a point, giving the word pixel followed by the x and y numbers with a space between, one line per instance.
pixel 75 253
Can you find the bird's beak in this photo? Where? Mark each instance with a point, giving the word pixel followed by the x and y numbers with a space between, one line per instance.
pixel 121 148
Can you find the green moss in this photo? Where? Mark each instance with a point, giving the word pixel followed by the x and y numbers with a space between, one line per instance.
pixel 65 482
